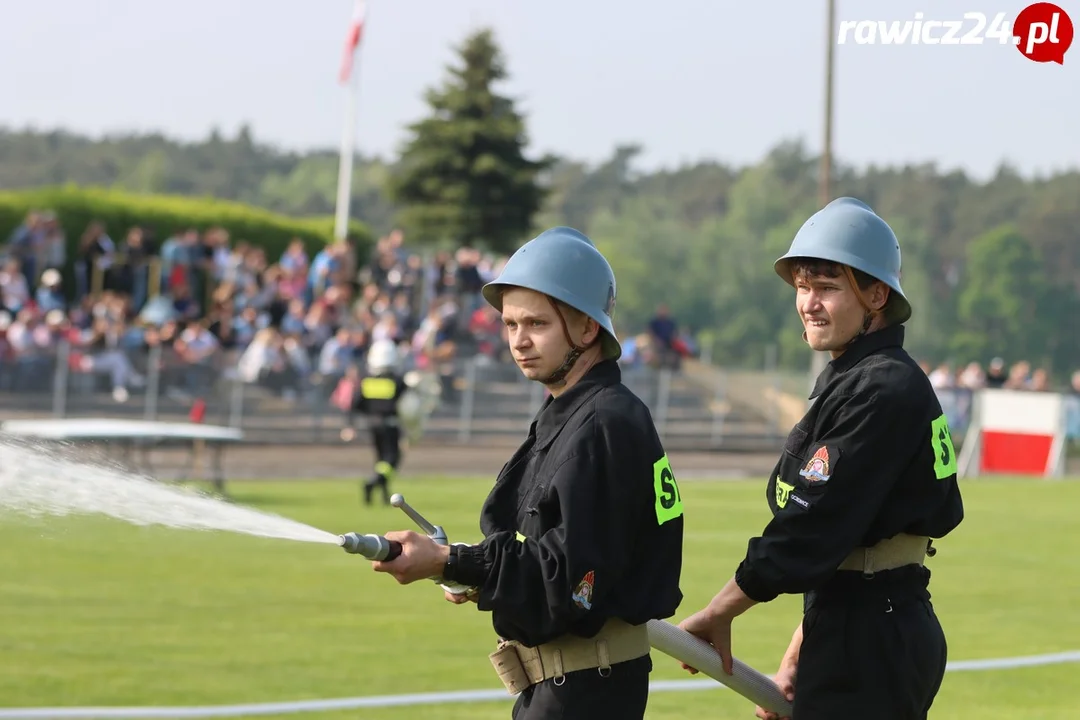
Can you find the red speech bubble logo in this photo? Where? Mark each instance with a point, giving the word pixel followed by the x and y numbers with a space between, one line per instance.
pixel 1043 32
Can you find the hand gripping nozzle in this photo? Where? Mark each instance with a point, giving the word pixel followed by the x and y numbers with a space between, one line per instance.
pixel 436 533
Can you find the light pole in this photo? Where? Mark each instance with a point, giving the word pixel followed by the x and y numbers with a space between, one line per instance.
pixel 820 359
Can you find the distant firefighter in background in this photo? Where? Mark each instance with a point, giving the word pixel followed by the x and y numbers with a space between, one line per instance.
pixel 377 396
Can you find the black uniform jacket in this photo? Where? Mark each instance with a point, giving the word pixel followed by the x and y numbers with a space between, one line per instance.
pixel 584 522
pixel 872 458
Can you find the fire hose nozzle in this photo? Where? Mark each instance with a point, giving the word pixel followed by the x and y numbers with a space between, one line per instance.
pixel 373 547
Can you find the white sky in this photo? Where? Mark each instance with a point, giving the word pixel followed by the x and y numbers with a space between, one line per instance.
pixel 688 79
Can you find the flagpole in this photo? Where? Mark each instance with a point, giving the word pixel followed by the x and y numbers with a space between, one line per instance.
pixel 819 360
pixel 346 158
pixel 345 161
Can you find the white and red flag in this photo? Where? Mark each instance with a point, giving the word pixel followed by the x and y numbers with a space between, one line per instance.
pixel 352 40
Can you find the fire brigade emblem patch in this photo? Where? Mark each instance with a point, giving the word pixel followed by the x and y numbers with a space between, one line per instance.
pixel 582 596
pixel 817 469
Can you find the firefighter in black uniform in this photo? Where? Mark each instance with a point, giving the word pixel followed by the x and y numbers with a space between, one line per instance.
pixel 583 527
pixel 866 480
pixel 377 396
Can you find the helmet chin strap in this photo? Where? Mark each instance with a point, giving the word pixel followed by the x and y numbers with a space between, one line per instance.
pixel 868 312
pixel 868 320
pixel 557 379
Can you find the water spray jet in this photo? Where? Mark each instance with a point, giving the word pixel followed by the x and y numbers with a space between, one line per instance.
pixel 41 479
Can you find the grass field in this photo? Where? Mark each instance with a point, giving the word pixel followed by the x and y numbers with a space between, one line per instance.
pixel 96 612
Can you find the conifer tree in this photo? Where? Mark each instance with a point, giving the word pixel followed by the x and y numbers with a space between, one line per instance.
pixel 463 177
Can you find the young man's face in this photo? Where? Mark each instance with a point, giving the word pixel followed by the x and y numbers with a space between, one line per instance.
pixel 830 309
pixel 535 332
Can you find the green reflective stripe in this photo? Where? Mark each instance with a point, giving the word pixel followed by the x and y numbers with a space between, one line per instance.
pixel 519 537
pixel 385 469
pixel 378 388
pixel 668 498
pixel 944 453
pixel 783 492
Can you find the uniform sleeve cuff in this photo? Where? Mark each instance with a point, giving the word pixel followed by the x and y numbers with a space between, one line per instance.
pixel 471 568
pixel 752 585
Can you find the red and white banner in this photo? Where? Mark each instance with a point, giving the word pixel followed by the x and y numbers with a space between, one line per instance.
pixel 1015 432
pixel 352 40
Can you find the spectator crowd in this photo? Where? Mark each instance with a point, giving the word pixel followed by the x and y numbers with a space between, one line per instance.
pixel 217 306
pixel 1019 376
pixel 955 385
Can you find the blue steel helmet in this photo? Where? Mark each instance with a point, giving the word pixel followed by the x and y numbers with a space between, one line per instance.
pixel 847 231
pixel 563 263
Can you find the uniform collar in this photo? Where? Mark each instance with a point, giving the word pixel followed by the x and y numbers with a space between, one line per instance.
pixel 557 410
pixel 864 345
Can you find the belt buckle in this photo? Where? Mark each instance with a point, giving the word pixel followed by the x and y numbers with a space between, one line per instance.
pixel 559 678
pixel 604 657
pixel 868 559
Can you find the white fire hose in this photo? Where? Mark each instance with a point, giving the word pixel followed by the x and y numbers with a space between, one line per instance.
pixel 700 655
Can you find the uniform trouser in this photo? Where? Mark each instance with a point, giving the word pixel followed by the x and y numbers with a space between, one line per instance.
pixel 387 441
pixel 588 695
pixel 871 648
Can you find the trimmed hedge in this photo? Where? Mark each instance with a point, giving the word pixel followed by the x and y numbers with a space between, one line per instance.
pixel 163 215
